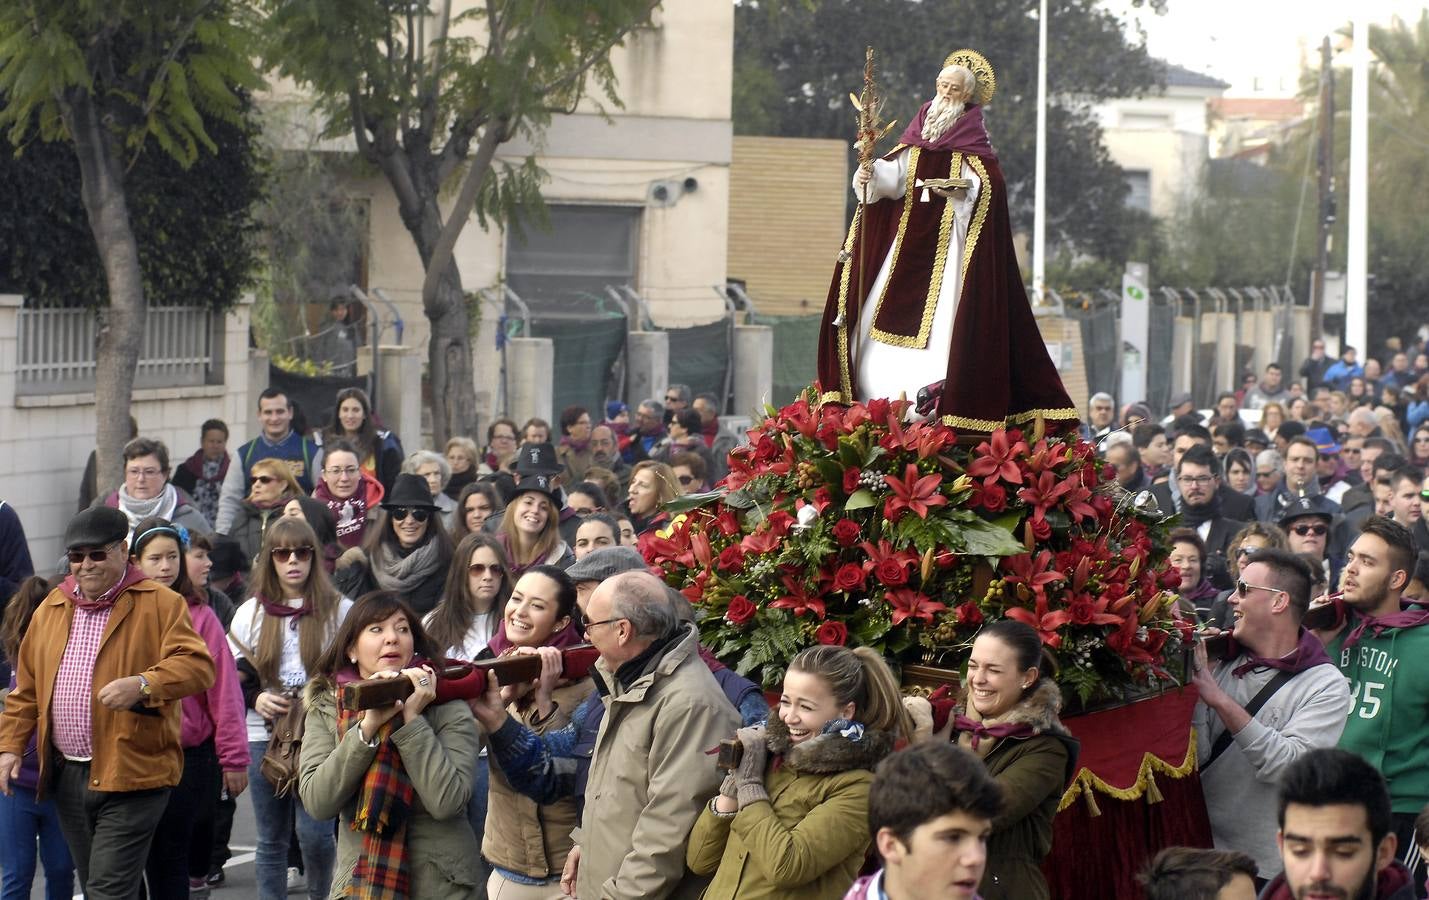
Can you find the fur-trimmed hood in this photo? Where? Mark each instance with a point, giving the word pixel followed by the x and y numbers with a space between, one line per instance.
pixel 829 753
pixel 1039 708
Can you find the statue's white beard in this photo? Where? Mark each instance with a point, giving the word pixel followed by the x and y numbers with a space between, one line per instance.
pixel 941 115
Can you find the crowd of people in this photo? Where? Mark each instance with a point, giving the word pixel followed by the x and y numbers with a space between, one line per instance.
pixel 195 643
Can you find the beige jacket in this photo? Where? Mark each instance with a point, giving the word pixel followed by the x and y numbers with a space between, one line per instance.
pixel 651 774
pixel 438 751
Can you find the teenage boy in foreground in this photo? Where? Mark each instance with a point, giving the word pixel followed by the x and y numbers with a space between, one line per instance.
pixel 930 810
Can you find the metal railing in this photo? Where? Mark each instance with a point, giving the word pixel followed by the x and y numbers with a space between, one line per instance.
pixel 57 349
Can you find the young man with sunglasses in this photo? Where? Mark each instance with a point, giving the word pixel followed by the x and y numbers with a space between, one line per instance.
pixel 1275 696
pixel 106 659
pixel 1383 650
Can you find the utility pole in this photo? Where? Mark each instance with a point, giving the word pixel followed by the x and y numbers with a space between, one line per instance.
pixel 1326 162
pixel 1357 242
pixel 1039 177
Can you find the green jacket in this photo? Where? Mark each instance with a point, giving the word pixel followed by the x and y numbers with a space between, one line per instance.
pixel 808 842
pixel 1033 773
pixel 1389 709
pixel 438 752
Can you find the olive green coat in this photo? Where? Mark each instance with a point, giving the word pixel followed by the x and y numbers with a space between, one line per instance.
pixel 809 840
pixel 1033 773
pixel 438 751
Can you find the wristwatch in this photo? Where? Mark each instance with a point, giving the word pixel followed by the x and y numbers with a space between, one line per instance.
pixel 144 689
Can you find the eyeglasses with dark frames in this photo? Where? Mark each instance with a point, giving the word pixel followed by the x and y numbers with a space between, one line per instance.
pixel 77 557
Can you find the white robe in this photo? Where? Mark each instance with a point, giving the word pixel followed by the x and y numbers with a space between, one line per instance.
pixel 883 369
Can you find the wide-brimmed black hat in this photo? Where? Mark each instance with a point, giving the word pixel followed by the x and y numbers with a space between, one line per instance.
pixel 98 526
pixel 410 492
pixel 538 483
pixel 537 459
pixel 1300 507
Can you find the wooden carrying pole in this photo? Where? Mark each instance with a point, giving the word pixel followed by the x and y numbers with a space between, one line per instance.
pixel 465 681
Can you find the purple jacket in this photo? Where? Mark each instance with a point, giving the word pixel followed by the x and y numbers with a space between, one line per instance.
pixel 218 712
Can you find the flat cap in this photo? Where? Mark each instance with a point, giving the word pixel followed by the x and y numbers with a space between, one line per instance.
pixel 601 564
pixel 98 526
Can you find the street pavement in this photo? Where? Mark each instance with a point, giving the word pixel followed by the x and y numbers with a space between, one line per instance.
pixel 239 883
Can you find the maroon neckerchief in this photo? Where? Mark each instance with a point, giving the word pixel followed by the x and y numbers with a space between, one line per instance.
pixel 1308 653
pixel 576 446
pixel 566 637
pixel 349 534
pixel 709 431
pixel 980 731
pixel 195 465
pixel 132 576
pixel 1407 617
pixel 284 611
pixel 967 134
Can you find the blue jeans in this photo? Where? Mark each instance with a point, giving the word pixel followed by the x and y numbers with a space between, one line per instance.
pixel 476 814
pixel 276 818
pixel 22 821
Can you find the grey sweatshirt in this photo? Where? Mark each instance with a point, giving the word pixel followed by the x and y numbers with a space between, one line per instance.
pixel 1305 713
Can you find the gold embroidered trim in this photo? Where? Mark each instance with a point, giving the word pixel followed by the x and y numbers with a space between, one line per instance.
pixel 975 227
pixel 1085 782
pixel 991 425
pixel 832 397
pixel 884 337
pixel 845 376
pixel 935 283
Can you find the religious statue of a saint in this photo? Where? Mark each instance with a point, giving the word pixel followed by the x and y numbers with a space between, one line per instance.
pixel 944 311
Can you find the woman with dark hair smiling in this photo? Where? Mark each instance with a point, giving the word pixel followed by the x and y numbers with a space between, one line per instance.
pixel 407 552
pixel 379 453
pixel 397 777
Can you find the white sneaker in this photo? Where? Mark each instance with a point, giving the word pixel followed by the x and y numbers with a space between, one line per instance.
pixel 296 881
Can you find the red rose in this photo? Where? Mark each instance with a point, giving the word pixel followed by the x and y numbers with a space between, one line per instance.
pixel 851 477
pixel 731 558
pixel 848 577
pixel 891 572
pixel 846 532
pixel 1041 529
pixel 835 633
pixel 969 613
pixel 994 497
pixel 740 610
pixel 1082 611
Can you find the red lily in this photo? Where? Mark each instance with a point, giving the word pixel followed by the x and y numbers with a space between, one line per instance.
pixel 760 542
pixel 1035 572
pixel 799 600
pixel 932 439
pixel 997 458
pixel 1043 494
pixel 1042 620
pixel 912 493
pixel 909 604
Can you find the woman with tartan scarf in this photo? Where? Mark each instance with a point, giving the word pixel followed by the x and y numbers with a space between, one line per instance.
pixel 791 821
pixel 398 777
pixel 1008 718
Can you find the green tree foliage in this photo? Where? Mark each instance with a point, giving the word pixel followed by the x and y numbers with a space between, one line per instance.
pixel 429 96
pixel 795 64
pixel 116 79
pixel 194 226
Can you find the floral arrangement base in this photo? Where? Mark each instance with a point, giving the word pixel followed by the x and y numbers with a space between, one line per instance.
pixel 850 525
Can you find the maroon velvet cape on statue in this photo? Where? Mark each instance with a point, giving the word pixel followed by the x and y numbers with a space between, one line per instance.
pixel 998 372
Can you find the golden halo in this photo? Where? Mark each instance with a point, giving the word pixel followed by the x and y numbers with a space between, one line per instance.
pixel 981 69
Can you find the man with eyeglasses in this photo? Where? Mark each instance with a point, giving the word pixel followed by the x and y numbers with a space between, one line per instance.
pixel 1101 414
pixel 1382 649
pixel 1276 696
pixel 649 432
pixel 677 397
pixel 1233 504
pixel 1198 476
pixel 147 491
pixel 98 679
pixel 276 440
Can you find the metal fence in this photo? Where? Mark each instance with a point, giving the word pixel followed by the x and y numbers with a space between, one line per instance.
pixel 57 349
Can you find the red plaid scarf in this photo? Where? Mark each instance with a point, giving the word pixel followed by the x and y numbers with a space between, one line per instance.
pixel 384 803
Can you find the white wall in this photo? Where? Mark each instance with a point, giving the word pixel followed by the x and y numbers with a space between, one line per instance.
pixel 45 440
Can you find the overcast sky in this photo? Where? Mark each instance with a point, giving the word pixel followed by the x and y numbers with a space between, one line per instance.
pixel 1256 45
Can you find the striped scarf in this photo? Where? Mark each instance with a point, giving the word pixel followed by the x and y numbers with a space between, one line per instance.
pixel 384 803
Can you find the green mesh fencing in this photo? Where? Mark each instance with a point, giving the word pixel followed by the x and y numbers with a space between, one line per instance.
pixel 796 354
pixel 699 357
pixel 585 352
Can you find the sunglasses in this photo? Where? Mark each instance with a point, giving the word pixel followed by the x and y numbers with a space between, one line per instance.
pixel 1424 495
pixel 400 514
pixel 287 554
pixel 1243 552
pixel 1242 588
pixel 77 557
pixel 477 570
pixel 1316 530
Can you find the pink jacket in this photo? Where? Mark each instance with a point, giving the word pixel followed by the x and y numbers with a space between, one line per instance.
pixel 217 712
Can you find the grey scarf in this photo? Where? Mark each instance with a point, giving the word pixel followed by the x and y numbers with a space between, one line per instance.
pixel 394 572
pixel 137 511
